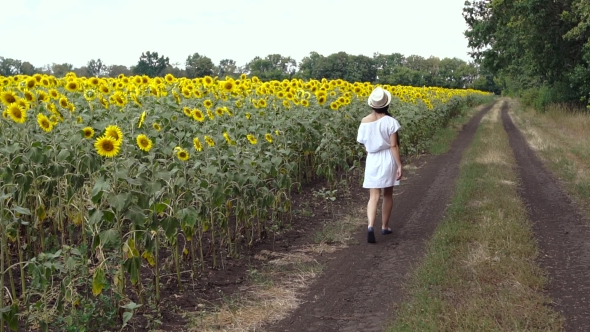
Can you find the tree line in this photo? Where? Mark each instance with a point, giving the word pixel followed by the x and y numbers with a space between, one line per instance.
pixel 539 49
pixel 393 69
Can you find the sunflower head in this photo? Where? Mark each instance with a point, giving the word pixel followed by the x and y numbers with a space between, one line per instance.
pixel 107 146
pixel 156 126
pixel 207 103
pixel 209 141
pixel 88 132
pixel 262 103
pixel 72 86
pixel 8 97
pixel 182 154
pixel 268 137
pixel 114 132
pixel 144 143
pixel 198 115
pixel 252 139
pixel 197 144
pixel 44 122
pixel 17 113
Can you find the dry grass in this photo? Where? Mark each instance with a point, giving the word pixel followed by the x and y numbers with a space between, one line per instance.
pixel 480 272
pixel 560 136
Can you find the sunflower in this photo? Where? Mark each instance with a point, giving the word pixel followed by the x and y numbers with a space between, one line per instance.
pixel 252 139
pixel 219 111
pixel 210 114
pixel 115 133
pixel 207 103
pixel 23 103
pixel 104 89
pixel 44 122
pixel 198 93
pixel 248 115
pixel 209 141
pixel 31 82
pixel 8 97
pixel 187 111
pixel 72 86
pixel 321 99
pixel 198 115
pixel 29 96
pixel 156 126
pixel 207 80
pixel 227 138
pixel 16 113
pixel 141 119
pixel 228 86
pixel 262 103
pixel 107 146
pixel 119 99
pixel 144 142
pixel 305 103
pixel 268 137
pixel 239 104
pixel 182 154
pixel 334 105
pixel 53 94
pixel 42 96
pixel 197 144
pixel 94 81
pixel 186 93
pixel 63 102
pixel 169 78
pixel 89 95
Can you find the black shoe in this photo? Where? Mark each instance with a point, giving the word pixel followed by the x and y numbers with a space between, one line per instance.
pixel 371 235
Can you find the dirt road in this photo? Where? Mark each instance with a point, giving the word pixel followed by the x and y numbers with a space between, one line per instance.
pixel 563 233
pixel 361 286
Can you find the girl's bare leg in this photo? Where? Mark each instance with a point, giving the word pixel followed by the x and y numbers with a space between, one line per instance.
pixel 372 205
pixel 386 207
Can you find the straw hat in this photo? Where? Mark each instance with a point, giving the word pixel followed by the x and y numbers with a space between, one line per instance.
pixel 379 98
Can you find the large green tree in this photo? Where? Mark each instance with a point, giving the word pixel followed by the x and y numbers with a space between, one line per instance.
pixel 530 43
pixel 151 64
pixel 199 65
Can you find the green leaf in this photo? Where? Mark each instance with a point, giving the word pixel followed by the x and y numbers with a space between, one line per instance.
pixel 63 155
pixel 99 186
pixel 131 306
pixel 10 315
pixel 119 202
pixel 136 215
pixel 98 281
pixel 110 236
pixel 22 210
pixel 126 317
pixel 188 216
pixel 95 216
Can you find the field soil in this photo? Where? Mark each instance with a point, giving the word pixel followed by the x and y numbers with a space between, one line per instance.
pixel 562 231
pixel 362 285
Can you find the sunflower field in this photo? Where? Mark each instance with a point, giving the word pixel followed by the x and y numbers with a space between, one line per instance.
pixel 111 186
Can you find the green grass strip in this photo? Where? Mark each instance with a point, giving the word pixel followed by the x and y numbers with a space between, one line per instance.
pixel 480 273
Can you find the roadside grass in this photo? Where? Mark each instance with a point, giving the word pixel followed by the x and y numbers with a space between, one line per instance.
pixel 440 142
pixel 480 273
pixel 560 138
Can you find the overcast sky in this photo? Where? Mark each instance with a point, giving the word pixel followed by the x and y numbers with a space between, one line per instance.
pixel 118 31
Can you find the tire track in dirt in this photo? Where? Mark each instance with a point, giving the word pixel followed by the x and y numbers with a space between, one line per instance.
pixel 563 233
pixel 362 285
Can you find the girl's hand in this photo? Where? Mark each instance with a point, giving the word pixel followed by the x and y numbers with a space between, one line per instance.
pixel 398 174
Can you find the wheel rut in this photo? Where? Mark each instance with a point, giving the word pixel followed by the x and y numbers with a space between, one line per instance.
pixel 362 285
pixel 562 231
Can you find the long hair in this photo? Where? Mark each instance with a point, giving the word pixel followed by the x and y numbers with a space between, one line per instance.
pixel 385 110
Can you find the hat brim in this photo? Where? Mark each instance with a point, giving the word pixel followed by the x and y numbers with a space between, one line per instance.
pixel 388 94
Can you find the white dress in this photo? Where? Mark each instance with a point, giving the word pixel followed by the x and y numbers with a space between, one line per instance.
pixel 380 169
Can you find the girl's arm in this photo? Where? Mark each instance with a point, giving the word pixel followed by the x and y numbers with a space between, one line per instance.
pixel 395 151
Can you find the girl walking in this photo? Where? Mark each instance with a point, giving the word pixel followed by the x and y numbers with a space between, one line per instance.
pixel 383 170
